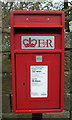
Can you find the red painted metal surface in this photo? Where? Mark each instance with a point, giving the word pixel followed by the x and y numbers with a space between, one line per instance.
pixel 37 23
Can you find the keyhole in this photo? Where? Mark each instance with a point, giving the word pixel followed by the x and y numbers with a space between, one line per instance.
pixel 23 83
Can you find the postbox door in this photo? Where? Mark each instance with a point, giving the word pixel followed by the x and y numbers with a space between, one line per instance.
pixel 44 92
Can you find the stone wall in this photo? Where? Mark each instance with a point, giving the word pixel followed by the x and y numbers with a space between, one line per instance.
pixel 7 90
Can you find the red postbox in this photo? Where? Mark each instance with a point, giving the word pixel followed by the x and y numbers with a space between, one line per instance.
pixel 37 49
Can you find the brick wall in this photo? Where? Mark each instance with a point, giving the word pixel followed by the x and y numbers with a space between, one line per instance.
pixel 6 82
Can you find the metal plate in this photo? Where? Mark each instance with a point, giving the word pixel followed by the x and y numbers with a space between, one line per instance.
pixel 37 42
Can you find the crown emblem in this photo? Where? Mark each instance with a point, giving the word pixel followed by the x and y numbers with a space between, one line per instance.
pixel 29 43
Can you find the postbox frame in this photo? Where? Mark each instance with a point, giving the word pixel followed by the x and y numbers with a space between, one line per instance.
pixel 13 52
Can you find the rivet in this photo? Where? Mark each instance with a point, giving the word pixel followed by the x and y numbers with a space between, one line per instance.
pixel 48 18
pixel 27 19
